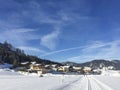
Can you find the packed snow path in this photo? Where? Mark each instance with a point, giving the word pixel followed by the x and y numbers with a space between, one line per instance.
pixel 84 83
pixel 15 81
pixel 94 84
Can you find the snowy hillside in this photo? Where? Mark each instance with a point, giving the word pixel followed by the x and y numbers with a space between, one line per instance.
pixel 5 65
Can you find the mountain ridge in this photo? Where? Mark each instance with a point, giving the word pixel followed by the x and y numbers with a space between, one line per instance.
pixel 97 63
pixel 15 56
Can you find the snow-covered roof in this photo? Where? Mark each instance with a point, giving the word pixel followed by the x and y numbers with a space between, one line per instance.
pixel 24 63
pixel 33 62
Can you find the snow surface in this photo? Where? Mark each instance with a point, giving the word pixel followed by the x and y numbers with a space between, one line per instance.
pixel 8 72
pixel 15 81
pixel 5 65
pixel 110 73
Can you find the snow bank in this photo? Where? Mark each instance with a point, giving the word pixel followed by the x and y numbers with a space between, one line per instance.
pixel 110 73
pixel 7 72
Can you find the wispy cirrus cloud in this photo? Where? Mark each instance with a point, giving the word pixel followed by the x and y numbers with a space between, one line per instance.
pixel 25 23
pixel 24 30
pixel 32 12
pixel 18 36
pixel 50 40
pixel 31 49
pixel 98 50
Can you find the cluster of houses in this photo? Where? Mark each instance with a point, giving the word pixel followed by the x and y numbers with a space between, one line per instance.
pixel 34 67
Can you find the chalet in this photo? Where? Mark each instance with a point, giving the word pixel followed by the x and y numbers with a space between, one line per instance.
pixel 87 69
pixel 54 67
pixel 25 64
pixel 111 67
pixel 40 69
pixel 76 69
pixel 63 68
pixel 36 67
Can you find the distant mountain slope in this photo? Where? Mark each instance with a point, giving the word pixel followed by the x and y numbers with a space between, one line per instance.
pixel 14 56
pixel 70 63
pixel 97 63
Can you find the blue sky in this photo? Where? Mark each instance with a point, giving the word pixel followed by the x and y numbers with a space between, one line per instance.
pixel 62 30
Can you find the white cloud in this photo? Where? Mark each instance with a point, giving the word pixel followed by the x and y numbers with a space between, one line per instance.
pixel 50 40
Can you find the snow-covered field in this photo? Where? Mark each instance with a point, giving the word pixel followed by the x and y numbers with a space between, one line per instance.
pixel 15 81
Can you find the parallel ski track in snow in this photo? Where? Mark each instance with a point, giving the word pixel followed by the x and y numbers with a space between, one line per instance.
pixel 84 83
pixel 94 84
